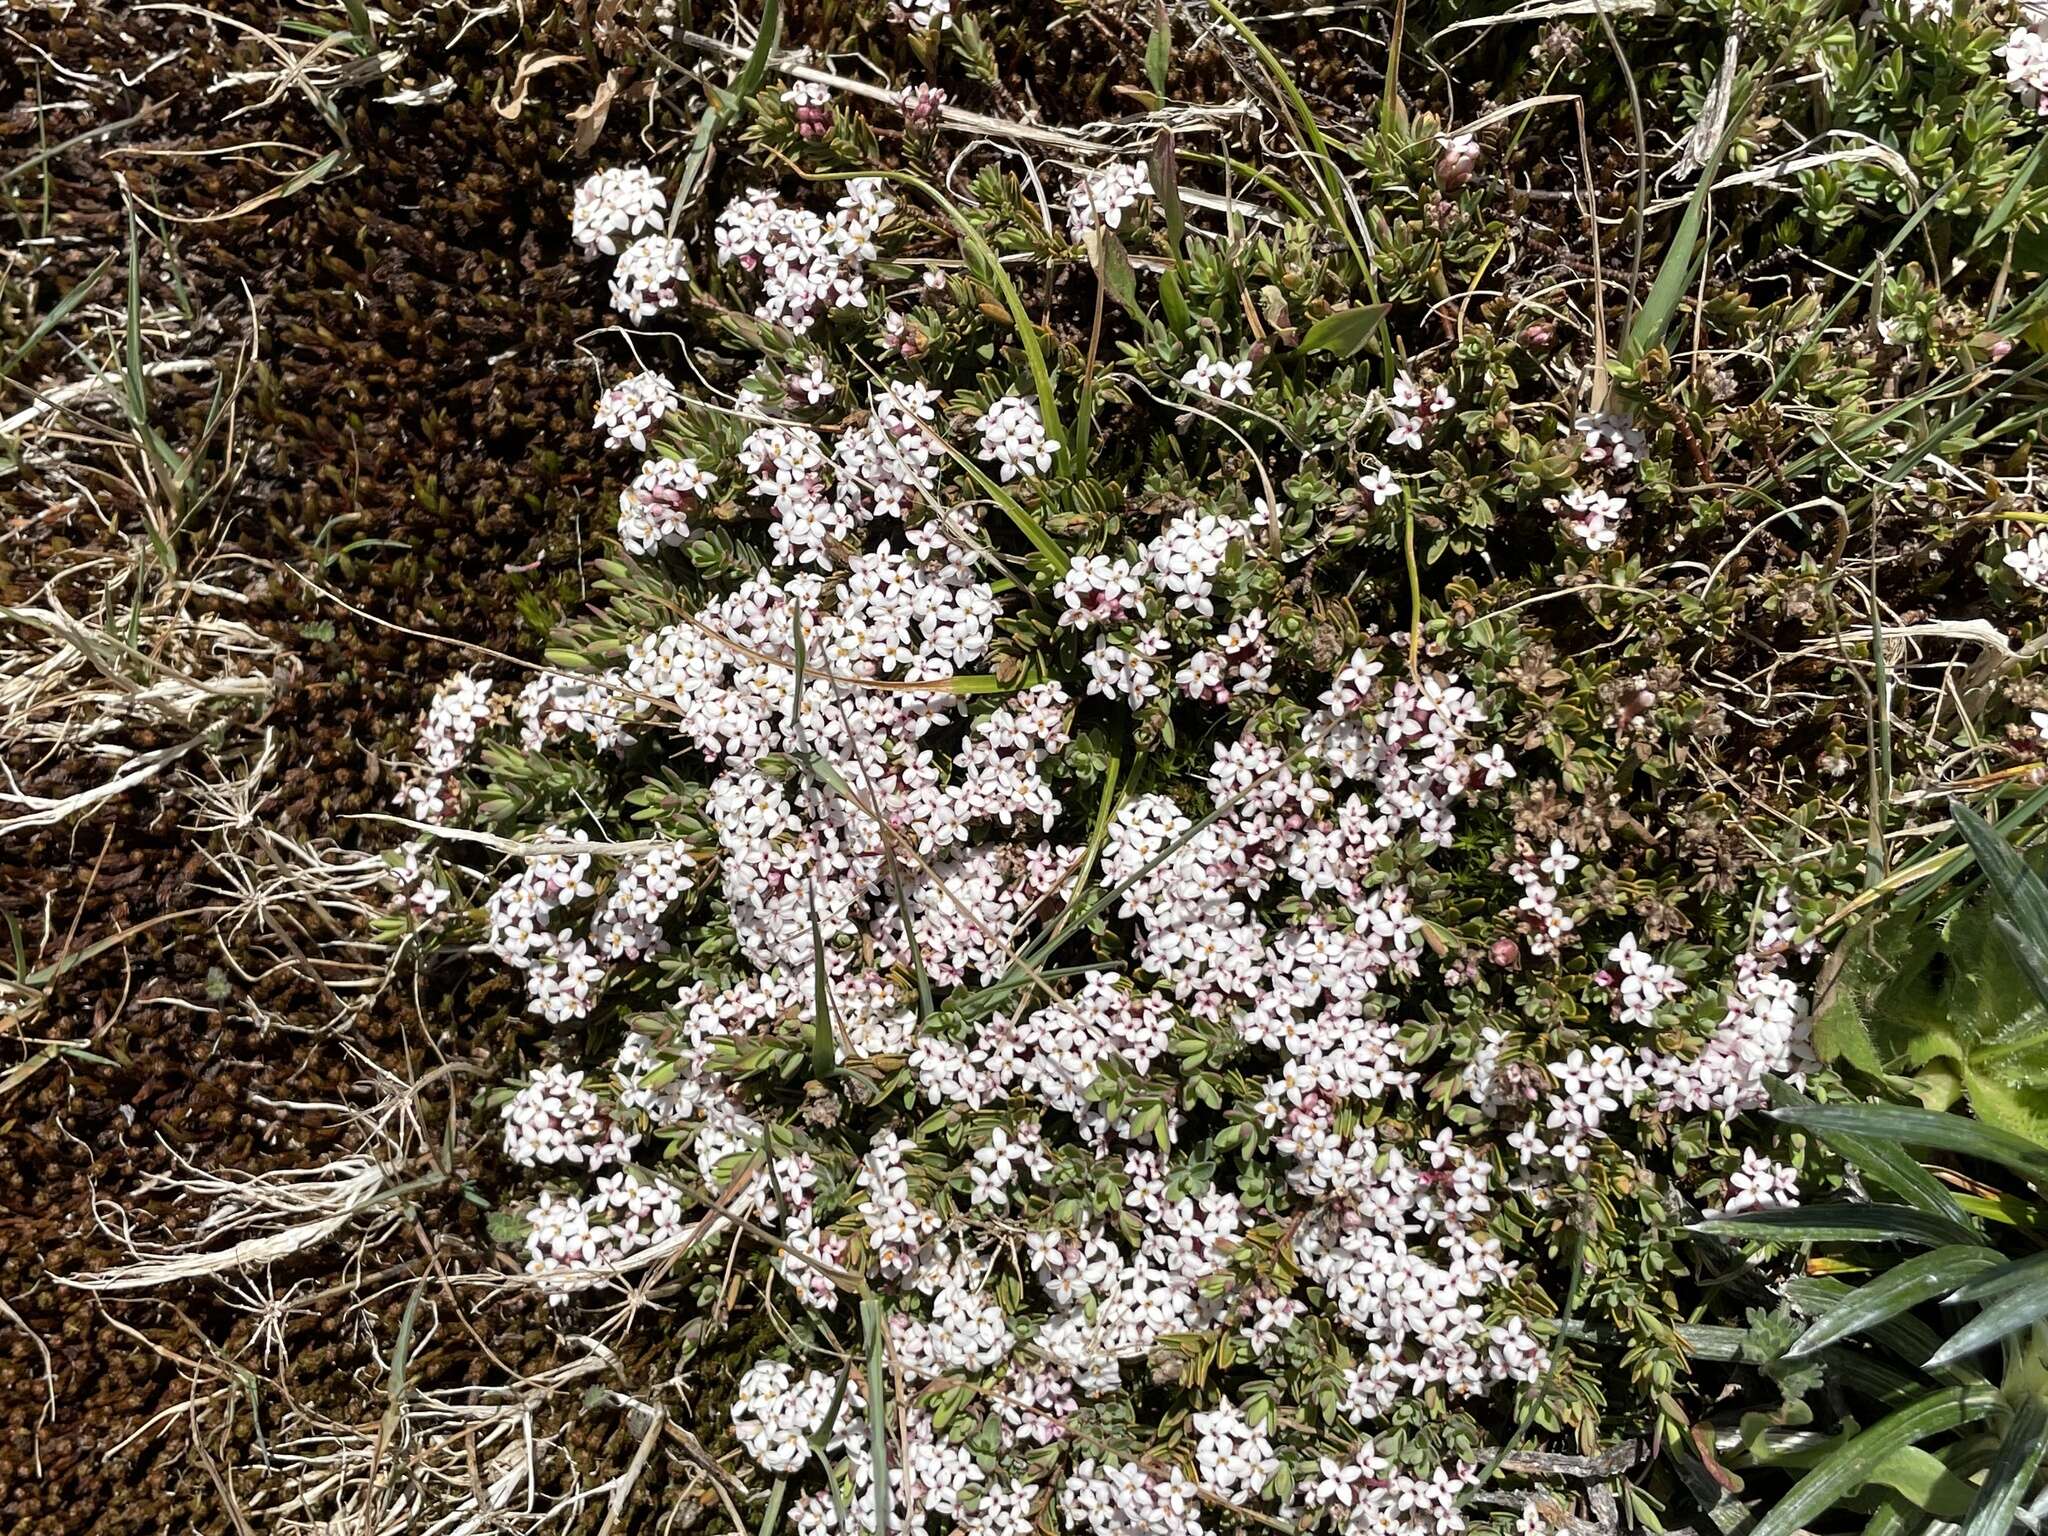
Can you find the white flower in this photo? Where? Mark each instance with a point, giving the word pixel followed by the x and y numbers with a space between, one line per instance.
pixel 1102 199
pixel 628 411
pixel 626 200
pixel 649 277
pixel 2029 561
pixel 1593 516
pixel 1014 438
pixel 1381 486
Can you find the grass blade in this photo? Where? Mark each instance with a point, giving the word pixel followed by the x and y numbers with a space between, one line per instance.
pixel 1675 272
pixel 80 292
pixel 872 1325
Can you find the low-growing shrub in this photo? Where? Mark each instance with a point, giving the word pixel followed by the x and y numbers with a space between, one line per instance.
pixel 1207 780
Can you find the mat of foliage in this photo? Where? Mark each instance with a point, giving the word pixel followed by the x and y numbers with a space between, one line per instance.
pixel 1198 810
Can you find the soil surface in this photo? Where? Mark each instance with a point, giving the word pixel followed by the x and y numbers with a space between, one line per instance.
pixel 416 443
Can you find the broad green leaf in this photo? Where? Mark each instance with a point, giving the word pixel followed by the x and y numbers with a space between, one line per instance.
pixel 1920 1278
pixel 1955 1002
pixel 1848 1469
pixel 1345 333
pixel 1841 1223
pixel 1905 1336
pixel 2022 898
pixel 1923 1480
pixel 2009 1276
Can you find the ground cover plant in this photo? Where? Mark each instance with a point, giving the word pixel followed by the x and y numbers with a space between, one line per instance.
pixel 1202 801
pixel 1168 794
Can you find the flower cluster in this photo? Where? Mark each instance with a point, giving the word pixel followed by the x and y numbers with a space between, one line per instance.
pixel 630 410
pixel 2026 60
pixel 1013 438
pixel 809 264
pixel 1166 925
pixel 625 200
pixel 1100 200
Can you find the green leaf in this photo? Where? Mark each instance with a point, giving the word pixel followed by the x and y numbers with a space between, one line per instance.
pixel 719 114
pixel 771 1517
pixel 2009 1477
pixel 1164 166
pixel 1113 270
pixel 1841 1223
pixel 2006 1277
pixel 1345 333
pixel 1315 145
pixel 1920 1278
pixel 2020 1308
pixel 874 1328
pixel 1925 1128
pixel 1849 1468
pixel 1904 1336
pixel 2021 896
pixel 1178 317
pixel 1675 272
pixel 1884 1162
pixel 1158 51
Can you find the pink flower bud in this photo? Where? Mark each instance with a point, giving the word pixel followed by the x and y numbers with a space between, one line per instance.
pixel 1460 158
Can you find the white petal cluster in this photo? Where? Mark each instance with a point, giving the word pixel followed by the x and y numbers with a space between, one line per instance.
pixel 1209 1112
pixel 922 15
pixel 628 411
pixel 624 200
pixel 1100 200
pixel 555 1118
pixel 1593 516
pixel 655 508
pixel 649 277
pixel 1013 437
pixel 1760 1185
pixel 2026 62
pixel 809 264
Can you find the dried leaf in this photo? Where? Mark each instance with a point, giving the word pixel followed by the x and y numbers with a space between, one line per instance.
pixel 530 67
pixel 589 119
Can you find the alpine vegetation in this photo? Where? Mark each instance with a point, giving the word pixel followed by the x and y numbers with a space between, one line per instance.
pixel 1200 802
